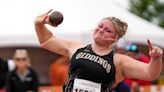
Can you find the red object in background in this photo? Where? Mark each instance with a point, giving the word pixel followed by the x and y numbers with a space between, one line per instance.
pixel 59 71
pixel 2 90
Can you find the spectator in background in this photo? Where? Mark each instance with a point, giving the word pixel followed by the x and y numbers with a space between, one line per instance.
pixel 3 72
pixel 23 78
pixel 133 51
pixel 5 67
pixel 59 71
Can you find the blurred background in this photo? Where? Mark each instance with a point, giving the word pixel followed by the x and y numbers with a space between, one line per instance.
pixel 145 20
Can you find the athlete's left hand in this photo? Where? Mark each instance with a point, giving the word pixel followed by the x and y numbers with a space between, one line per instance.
pixel 154 51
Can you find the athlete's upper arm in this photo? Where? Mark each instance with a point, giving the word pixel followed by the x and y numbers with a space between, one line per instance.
pixel 133 68
pixel 61 46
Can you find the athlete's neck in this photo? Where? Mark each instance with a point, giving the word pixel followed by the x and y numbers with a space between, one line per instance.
pixel 101 49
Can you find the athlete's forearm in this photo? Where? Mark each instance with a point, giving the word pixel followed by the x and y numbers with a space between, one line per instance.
pixel 43 33
pixel 155 68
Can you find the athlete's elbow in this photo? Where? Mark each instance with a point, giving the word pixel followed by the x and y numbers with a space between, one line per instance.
pixel 42 45
pixel 154 73
pixel 45 43
pixel 45 38
pixel 153 76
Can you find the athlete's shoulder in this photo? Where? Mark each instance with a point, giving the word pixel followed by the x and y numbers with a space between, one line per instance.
pixel 76 47
pixel 119 57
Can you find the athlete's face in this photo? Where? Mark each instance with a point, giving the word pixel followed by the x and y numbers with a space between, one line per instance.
pixel 105 32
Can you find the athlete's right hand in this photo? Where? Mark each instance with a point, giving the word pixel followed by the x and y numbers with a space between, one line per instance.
pixel 43 18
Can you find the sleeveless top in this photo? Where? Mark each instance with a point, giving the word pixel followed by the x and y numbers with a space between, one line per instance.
pixel 85 64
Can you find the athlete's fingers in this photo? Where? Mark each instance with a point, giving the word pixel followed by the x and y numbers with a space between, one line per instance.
pixel 156 52
pixel 149 44
pixel 159 51
pixel 49 11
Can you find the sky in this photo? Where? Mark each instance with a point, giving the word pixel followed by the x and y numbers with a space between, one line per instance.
pixel 122 3
pixel 17 16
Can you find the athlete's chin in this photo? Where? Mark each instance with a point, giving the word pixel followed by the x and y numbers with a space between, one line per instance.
pixel 111 40
pixel 99 41
pixel 104 42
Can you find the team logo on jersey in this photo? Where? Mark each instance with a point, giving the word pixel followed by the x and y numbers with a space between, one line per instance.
pixel 104 63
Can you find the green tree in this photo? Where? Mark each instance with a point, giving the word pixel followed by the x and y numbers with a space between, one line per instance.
pixel 151 10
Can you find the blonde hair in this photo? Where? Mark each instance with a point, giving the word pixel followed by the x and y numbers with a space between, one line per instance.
pixel 23 52
pixel 120 26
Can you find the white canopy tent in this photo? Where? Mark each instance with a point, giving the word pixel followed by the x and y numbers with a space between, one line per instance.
pixel 80 16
